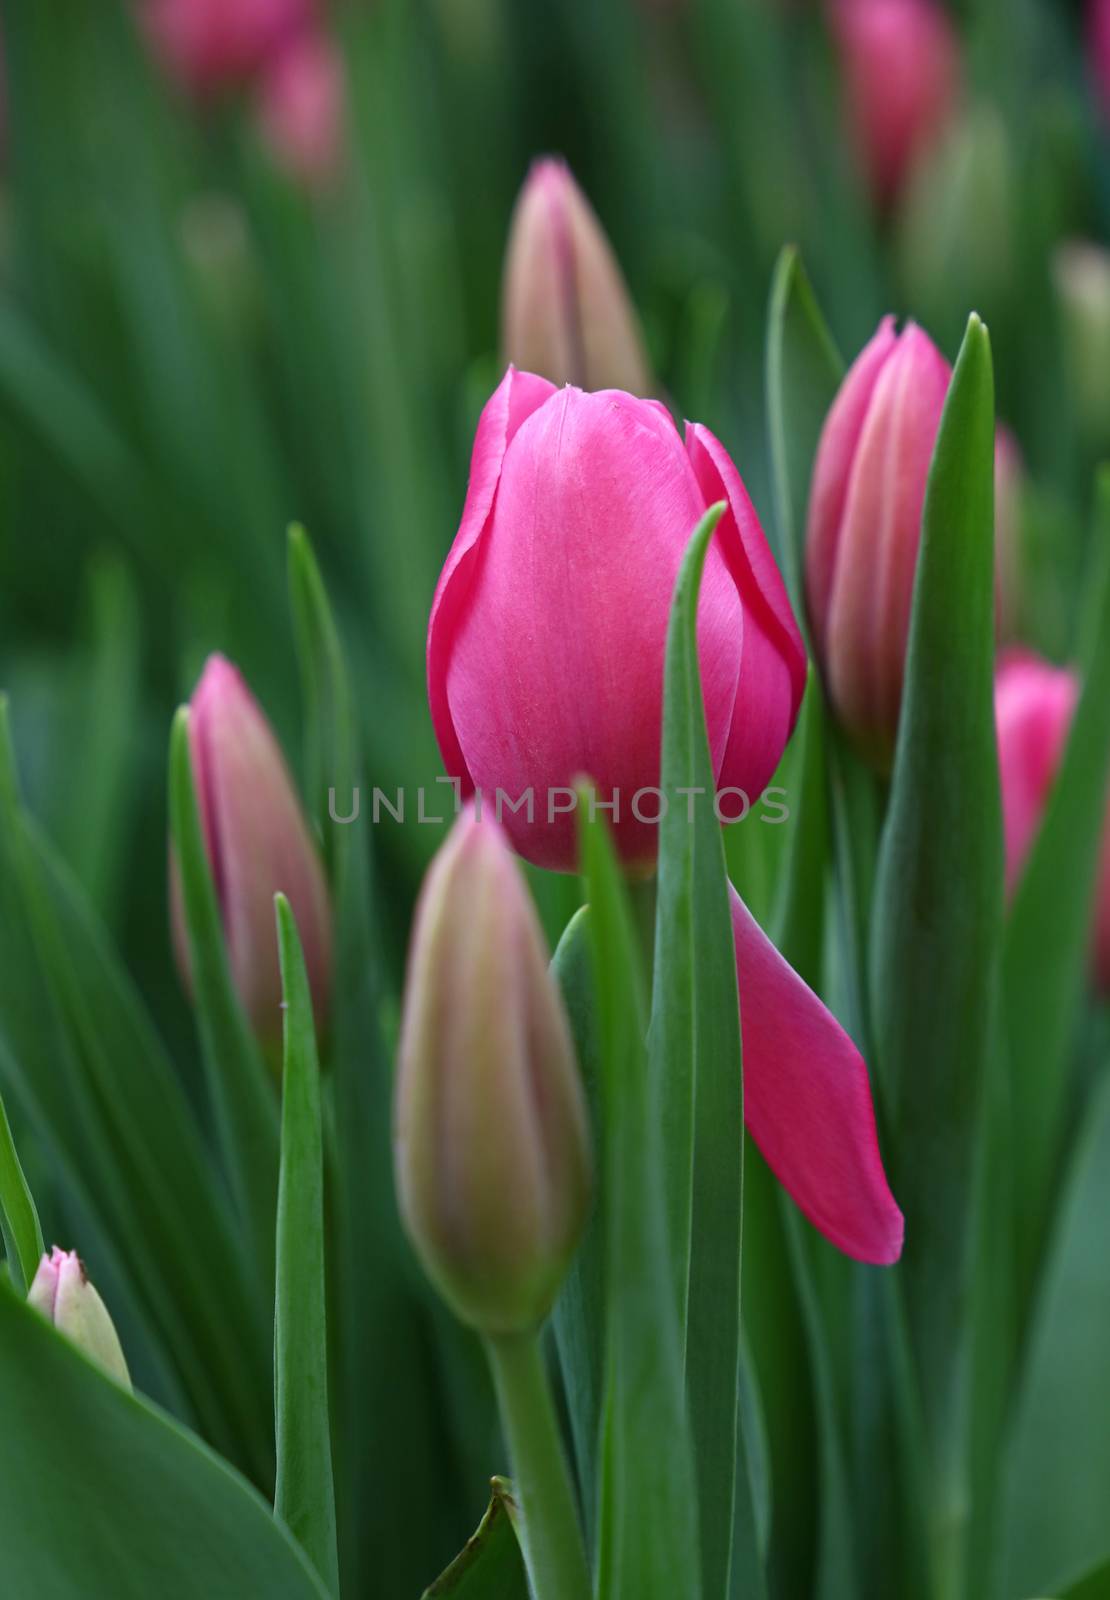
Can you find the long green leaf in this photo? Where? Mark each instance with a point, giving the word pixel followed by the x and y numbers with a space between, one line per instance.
pixel 242 1098
pixel 18 1218
pixel 647 1523
pixel 102 1494
pixel 304 1496
pixel 697 1083
pixel 938 913
pixel 1043 977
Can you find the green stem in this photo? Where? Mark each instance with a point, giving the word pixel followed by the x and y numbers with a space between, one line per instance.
pixel 549 1532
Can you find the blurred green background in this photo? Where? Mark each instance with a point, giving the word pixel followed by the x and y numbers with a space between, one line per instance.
pixel 197 346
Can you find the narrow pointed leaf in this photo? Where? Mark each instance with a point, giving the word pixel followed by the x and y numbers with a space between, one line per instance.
pixel 18 1218
pixel 304 1497
pixel 647 1524
pixel 938 909
pixel 491 1566
pixel 697 1083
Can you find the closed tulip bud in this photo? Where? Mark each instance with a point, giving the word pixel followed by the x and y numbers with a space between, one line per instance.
pixel 1034 703
pixel 565 310
pixel 864 527
pixel 62 1293
pixel 901 72
pixel 548 627
pixel 207 44
pixel 490 1132
pixel 1081 271
pixel 301 109
pixel 258 843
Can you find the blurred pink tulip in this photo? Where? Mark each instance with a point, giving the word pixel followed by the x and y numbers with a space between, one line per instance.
pixel 301 108
pixel 1009 471
pixel 565 309
pixel 258 843
pixel 864 527
pixel 1034 703
pixel 547 632
pixel 901 74
pixel 207 44
pixel 1098 49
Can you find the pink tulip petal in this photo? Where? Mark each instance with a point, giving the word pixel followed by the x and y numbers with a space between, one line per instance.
pixel 831 472
pixel 515 398
pixel 1033 704
pixel 807 1102
pixel 773 658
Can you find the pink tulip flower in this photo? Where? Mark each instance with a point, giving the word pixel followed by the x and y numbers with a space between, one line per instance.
pixel 864 527
pixel 209 44
pixel 301 108
pixel 62 1293
pixel 545 662
pixel 1034 703
pixel 901 72
pixel 258 843
pixel 548 627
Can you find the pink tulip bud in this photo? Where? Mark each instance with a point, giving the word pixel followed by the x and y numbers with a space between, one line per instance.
pixel 490 1130
pixel 548 627
pixel 207 44
pixel 62 1293
pixel 258 843
pixel 566 311
pixel 901 72
pixel 1034 704
pixel 864 527
pixel 301 109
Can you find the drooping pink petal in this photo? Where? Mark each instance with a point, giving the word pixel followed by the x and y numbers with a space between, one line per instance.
pixel 516 397
pixel 807 1102
pixel 773 658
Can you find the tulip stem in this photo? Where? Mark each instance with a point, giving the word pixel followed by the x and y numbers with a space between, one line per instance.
pixel 549 1530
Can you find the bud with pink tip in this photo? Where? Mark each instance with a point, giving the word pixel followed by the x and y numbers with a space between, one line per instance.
pixel 258 843
pixel 864 527
pixel 207 44
pixel 491 1143
pixel 565 308
pixel 62 1293
pixel 901 74
pixel 301 109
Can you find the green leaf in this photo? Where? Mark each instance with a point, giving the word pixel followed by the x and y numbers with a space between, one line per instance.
pixel 803 372
pixel 241 1094
pixel 697 1083
pixel 1044 978
pixel 647 1523
pixel 491 1566
pixel 1058 1482
pixel 580 1311
pixel 938 912
pixel 304 1496
pixel 148 1508
pixel 19 1220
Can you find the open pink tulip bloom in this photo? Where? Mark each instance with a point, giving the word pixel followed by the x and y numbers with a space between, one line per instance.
pixel 545 662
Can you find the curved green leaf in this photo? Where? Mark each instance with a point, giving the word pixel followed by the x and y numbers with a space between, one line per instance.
pixel 101 1493
pixel 18 1218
